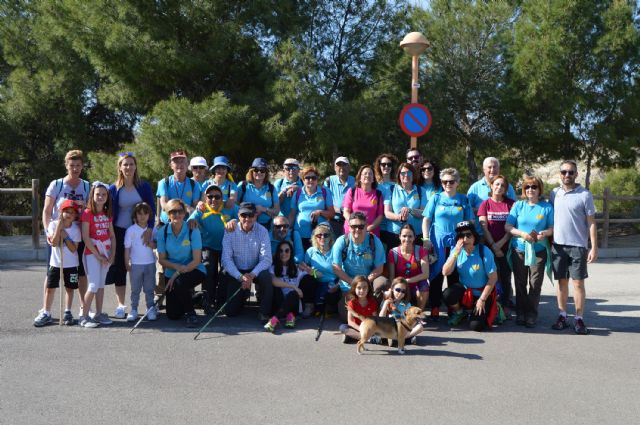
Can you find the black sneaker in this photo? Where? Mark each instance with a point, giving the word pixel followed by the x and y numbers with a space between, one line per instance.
pixel 68 319
pixel 580 328
pixel 561 323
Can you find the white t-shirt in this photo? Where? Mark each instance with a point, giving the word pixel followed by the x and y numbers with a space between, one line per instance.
pixel 139 253
pixel 70 258
pixel 60 190
pixel 295 281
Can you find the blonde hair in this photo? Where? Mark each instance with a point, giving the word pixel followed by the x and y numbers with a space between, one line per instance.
pixel 172 204
pixel 319 228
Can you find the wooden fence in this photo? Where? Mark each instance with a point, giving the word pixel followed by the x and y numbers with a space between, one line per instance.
pixel 606 220
pixel 34 190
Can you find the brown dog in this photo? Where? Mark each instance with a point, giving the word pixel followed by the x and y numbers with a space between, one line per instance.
pixel 388 327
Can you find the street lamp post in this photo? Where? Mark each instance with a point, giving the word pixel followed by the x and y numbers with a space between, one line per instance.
pixel 414 44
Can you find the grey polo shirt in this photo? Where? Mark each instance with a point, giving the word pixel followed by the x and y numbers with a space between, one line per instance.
pixel 570 212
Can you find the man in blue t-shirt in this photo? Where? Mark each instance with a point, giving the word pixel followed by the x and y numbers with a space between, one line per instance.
pixel 338 185
pixel 479 191
pixel 288 185
pixel 177 185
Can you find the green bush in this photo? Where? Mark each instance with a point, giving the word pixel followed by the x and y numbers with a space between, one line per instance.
pixel 621 182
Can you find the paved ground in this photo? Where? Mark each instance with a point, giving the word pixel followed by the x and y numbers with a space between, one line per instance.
pixel 237 374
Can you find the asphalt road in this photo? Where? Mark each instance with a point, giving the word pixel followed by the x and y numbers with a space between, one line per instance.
pixel 238 374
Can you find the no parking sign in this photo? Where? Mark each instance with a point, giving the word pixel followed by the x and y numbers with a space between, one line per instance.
pixel 415 120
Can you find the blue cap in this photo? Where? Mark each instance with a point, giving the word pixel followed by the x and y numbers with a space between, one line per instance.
pixel 218 161
pixel 259 163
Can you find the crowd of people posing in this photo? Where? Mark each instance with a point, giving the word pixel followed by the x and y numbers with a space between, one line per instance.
pixel 373 244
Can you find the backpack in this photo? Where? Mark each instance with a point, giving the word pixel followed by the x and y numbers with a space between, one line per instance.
pixel 60 185
pixel 166 182
pixel 347 241
pixel 324 196
pixel 416 254
pixel 242 190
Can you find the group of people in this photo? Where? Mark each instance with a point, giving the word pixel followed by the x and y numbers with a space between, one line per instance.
pixel 371 244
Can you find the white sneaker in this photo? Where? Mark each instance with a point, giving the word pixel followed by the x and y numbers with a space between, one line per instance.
pixel 133 315
pixel 152 314
pixel 121 312
pixel 88 322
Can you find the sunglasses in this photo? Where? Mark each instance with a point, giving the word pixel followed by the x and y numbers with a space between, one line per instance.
pixel 413 158
pixel 216 197
pixel 178 211
pixel 121 154
pixel 357 226
pixel 322 235
pixel 284 251
pixel 342 164
pixel 448 181
pixel 245 215
pixel 198 167
pixel 400 290
pixel 465 235
pixel 260 170
pixel 406 173
pixel 565 172
pixel 280 226
pixel 311 177
pixel 291 167
pixel 386 164
pixel 531 186
pixel 427 168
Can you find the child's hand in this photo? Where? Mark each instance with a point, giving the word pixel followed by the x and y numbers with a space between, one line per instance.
pixel 200 207
pixel 146 237
pixel 127 266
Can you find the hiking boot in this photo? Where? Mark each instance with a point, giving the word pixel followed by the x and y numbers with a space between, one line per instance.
pixel 580 328
pixel 290 322
pixel 68 319
pixel 42 319
pixel 435 314
pixel 271 324
pixel 561 323
pixel 456 317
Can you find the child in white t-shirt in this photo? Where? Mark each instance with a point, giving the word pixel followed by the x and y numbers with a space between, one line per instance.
pixel 64 231
pixel 140 261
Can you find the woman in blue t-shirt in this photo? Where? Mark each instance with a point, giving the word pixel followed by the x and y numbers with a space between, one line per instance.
pixel 475 290
pixel 318 262
pixel 259 191
pixel 430 178
pixel 530 221
pixel 443 212
pixel 384 168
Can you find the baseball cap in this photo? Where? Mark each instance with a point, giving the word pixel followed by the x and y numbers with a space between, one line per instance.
pixel 198 161
pixel 291 161
pixel 259 163
pixel 247 208
pixel 341 159
pixel 180 153
pixel 67 203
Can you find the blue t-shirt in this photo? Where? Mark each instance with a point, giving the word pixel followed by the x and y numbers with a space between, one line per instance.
pixel 385 188
pixel 430 189
pixel 263 197
pixel 295 239
pixel 179 248
pixel 526 218
pixel 227 188
pixel 445 212
pixel 338 190
pixel 479 191
pixel 400 198
pixel 399 312
pixel 212 227
pixel 473 273
pixel 360 260
pixel 187 190
pixel 202 185
pixel 280 185
pixel 321 262
pixel 305 204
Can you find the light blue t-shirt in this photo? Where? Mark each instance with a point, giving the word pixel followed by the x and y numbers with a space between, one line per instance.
pixel 526 218
pixel 179 248
pixel 187 190
pixel 305 204
pixel 321 262
pixel 479 191
pixel 360 259
pixel 282 184
pixel 202 185
pixel 212 226
pixel 430 189
pixel 400 198
pixel 293 237
pixel 445 212
pixel 385 188
pixel 472 271
pixel 338 189
pixel 227 188
pixel 263 197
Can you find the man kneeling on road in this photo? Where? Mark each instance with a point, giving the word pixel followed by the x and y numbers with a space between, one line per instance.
pixel 246 258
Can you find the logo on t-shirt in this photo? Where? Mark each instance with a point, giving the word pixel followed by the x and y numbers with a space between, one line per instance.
pixel 186 242
pixel 540 216
pixel 475 267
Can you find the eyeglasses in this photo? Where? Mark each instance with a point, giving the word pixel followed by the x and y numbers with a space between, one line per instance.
pixel 281 226
pixel 284 251
pixel 246 215
pixel 198 167
pixel 414 158
pixel 260 170
pixel 565 172
pixel 386 164
pixel 531 186
pixel 291 167
pixel 400 290
pixel 428 168
pixel 465 235
pixel 322 235
pixel 311 177
pixel 448 181
pixel 215 197
pixel 406 173
pixel 177 211
pixel 357 226
pixel 121 154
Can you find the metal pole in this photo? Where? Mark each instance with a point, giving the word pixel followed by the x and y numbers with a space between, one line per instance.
pixel 414 90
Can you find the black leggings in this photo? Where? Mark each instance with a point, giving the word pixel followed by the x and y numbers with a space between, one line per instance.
pixel 453 295
pixel 283 304
pixel 180 297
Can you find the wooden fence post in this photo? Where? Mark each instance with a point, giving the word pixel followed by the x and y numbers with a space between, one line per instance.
pixel 35 209
pixel 605 215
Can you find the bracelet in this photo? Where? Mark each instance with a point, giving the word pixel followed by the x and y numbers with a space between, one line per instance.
pixel 425 239
pixel 455 255
pixel 314 273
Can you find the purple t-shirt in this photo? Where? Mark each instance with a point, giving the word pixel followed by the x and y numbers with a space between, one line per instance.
pixel 496 213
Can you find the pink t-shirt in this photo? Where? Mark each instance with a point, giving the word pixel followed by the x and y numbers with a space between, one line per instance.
pixel 98 226
pixel 412 265
pixel 368 203
pixel 496 213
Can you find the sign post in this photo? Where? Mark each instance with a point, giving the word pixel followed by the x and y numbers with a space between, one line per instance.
pixel 414 44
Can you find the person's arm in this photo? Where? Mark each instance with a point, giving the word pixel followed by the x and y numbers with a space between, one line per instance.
pixel 373 226
pixel 337 270
pixel 424 268
pixel 351 316
pixel 88 243
pixel 227 257
pixel 127 259
pixel 451 263
pixel 390 215
pixel 279 283
pixel 593 235
pixel 47 211
pixel 375 273
pixel 391 266
pixel 486 292
pixel 265 252
pixel 384 311
pixel 112 237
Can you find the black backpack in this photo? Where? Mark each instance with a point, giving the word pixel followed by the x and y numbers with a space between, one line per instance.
pixel 347 241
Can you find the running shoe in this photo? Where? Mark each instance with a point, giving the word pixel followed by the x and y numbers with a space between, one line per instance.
pixel 88 322
pixel 103 319
pixel 133 315
pixel 271 324
pixel 68 319
pixel 456 317
pixel 42 319
pixel 290 322
pixel 580 328
pixel 435 314
pixel 121 312
pixel 561 323
pixel 152 314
